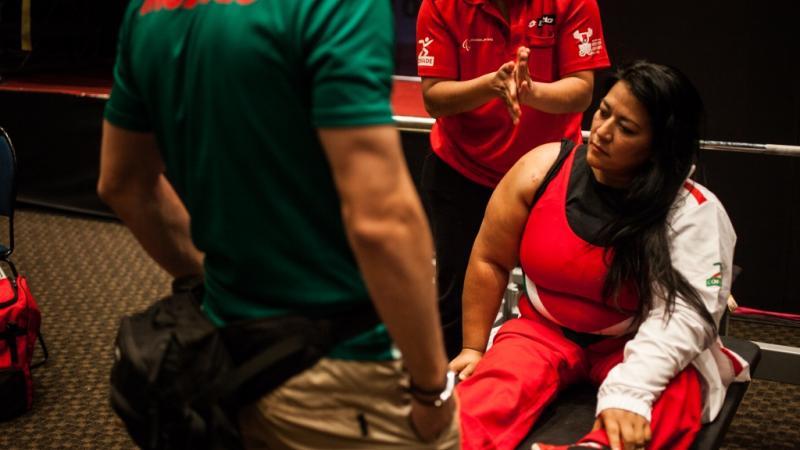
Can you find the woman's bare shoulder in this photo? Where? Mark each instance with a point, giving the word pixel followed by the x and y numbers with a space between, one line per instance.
pixel 544 155
pixel 527 174
pixel 531 169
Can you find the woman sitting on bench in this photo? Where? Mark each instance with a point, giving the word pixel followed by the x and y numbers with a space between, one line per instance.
pixel 627 268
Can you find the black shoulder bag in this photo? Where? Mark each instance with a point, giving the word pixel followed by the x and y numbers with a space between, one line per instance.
pixel 178 381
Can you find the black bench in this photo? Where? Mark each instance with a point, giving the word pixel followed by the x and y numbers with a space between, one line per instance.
pixel 572 415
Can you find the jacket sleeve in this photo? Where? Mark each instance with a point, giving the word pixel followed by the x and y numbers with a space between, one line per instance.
pixel 701 247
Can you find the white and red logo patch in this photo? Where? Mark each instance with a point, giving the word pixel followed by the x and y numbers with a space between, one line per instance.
pixel 424 59
pixel 586 45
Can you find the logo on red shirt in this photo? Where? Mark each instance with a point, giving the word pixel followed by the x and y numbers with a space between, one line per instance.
pixel 586 45
pixel 155 5
pixel 548 19
pixel 423 59
pixel 467 43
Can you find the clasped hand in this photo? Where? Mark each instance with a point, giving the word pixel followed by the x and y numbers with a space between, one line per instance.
pixel 512 83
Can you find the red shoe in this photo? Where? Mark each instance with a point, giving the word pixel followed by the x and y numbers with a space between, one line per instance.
pixel 578 446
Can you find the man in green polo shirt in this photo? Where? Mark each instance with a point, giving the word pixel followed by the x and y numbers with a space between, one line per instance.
pixel 266 124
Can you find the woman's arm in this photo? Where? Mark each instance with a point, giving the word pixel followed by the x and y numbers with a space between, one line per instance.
pixel 444 97
pixel 512 84
pixel 572 93
pixel 496 251
pixel 701 246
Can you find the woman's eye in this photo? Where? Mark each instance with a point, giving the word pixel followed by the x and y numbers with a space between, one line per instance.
pixel 625 130
pixel 603 112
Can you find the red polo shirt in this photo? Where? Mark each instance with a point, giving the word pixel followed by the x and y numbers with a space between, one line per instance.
pixel 464 39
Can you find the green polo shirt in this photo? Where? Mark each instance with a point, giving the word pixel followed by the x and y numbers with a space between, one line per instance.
pixel 234 91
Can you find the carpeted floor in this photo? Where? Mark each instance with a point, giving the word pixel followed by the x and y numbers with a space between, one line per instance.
pixel 86 273
pixel 769 416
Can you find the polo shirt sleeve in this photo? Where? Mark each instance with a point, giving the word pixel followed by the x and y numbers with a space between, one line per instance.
pixel 580 41
pixel 437 52
pixel 350 60
pixel 125 108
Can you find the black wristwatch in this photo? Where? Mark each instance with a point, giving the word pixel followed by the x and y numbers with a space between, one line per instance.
pixel 438 397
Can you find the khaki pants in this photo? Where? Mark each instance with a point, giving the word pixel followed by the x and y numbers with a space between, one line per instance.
pixel 339 404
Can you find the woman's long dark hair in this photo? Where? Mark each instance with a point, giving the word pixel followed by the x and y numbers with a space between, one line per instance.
pixel 638 237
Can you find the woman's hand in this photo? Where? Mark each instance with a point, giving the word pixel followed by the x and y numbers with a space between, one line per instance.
pixel 522 77
pixel 503 84
pixel 625 430
pixel 464 364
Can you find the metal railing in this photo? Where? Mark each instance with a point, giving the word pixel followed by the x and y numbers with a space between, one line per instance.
pixel 423 125
pixel 414 124
pixel 745 147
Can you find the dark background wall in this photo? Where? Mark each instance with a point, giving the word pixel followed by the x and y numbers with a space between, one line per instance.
pixel 739 53
pixel 66 34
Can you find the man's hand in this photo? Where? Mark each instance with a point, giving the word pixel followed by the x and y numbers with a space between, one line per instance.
pixel 504 86
pixel 429 422
pixel 466 361
pixel 522 77
pixel 625 430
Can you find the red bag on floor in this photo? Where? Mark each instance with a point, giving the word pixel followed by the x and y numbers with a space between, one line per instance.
pixel 20 320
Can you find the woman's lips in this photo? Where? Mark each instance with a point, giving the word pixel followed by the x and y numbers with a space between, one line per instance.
pixel 597 148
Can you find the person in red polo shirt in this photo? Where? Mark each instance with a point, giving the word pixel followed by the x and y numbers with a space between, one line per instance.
pixel 501 77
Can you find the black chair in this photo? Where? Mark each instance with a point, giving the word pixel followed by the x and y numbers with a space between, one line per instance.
pixel 8 194
pixel 572 415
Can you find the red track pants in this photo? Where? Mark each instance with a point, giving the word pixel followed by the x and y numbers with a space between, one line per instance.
pixel 531 361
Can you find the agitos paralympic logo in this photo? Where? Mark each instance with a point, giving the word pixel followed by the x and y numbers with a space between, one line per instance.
pixel 156 5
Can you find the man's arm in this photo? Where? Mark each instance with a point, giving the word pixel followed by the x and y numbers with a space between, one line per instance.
pixel 389 234
pixel 133 184
pixel 391 240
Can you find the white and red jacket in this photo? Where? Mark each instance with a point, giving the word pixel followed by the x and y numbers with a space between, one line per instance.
pixel 701 246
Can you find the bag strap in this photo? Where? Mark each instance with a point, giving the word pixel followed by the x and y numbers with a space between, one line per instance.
pixel 332 330
pixel 11 265
pixel 44 351
pixel 336 329
pixel 254 366
pixel 13 281
pixel 14 288
pixel 11 334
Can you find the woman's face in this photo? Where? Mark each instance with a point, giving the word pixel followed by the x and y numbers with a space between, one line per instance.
pixel 620 138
